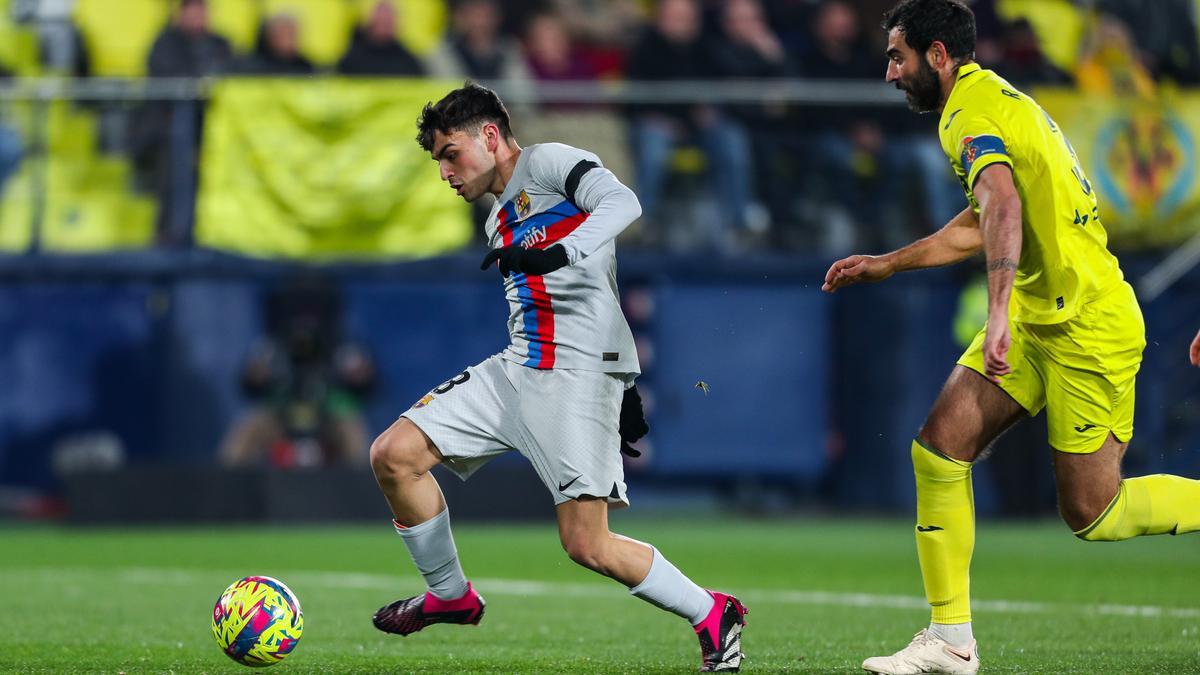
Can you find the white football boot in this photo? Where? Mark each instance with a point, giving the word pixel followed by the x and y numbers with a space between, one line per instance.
pixel 927 653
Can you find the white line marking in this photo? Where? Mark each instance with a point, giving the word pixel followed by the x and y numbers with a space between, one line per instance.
pixel 150 576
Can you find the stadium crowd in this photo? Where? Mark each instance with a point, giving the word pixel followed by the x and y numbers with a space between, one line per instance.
pixel 771 174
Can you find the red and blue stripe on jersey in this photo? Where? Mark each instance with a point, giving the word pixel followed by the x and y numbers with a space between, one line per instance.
pixel 540 230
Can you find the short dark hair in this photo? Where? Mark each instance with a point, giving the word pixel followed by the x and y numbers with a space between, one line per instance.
pixel 923 22
pixel 468 107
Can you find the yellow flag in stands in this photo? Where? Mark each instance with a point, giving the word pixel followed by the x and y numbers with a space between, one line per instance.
pixel 324 169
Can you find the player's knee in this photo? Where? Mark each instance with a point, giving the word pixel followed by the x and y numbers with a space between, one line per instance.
pixel 932 436
pixel 1080 511
pixel 585 552
pixel 400 451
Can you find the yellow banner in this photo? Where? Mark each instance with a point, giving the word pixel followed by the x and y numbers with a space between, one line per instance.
pixel 1140 156
pixel 323 169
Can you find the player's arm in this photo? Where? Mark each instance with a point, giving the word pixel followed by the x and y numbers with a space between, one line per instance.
pixel 1000 223
pixel 1194 352
pixel 611 206
pixel 958 240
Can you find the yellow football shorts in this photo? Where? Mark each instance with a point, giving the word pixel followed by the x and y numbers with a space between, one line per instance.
pixel 1081 371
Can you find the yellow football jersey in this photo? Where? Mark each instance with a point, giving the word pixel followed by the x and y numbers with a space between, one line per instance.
pixel 1064 255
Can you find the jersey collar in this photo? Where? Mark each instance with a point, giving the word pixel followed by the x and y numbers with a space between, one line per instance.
pixel 963 73
pixel 966 70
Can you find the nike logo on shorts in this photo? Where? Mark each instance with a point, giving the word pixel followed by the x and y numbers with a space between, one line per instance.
pixel 562 487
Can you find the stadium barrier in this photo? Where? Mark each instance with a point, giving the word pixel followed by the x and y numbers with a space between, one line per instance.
pixel 818 394
pixel 206 494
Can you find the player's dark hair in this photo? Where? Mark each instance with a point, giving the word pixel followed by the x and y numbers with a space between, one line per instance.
pixel 924 22
pixel 466 108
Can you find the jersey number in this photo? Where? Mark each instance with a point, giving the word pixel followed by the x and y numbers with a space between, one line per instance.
pixel 1075 169
pixel 449 384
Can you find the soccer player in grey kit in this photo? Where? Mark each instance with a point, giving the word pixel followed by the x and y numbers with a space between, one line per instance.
pixel 561 393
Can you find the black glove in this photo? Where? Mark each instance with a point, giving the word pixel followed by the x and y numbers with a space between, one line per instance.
pixel 633 422
pixel 535 261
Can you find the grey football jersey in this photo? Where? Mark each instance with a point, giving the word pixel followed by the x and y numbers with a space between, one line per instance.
pixel 570 318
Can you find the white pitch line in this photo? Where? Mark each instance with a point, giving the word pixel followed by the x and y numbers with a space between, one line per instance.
pixel 527 587
pixel 519 587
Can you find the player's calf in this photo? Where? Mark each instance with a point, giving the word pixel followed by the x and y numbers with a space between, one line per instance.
pixel 401 458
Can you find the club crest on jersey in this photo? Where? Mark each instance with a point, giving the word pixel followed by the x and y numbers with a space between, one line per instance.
pixel 522 204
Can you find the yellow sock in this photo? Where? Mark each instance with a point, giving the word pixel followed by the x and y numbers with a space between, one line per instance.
pixel 1158 504
pixel 945 532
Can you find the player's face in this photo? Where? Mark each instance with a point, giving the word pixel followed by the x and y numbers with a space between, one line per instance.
pixel 912 74
pixel 464 162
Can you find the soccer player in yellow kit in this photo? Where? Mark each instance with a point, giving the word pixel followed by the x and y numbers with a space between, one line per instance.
pixel 1064 330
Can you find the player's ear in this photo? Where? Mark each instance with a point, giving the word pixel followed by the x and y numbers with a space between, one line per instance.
pixel 937 56
pixel 491 137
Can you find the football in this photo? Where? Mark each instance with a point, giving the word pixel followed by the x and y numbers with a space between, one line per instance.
pixel 257 621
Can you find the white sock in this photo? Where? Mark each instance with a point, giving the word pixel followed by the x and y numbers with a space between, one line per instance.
pixel 432 549
pixel 665 587
pixel 957 634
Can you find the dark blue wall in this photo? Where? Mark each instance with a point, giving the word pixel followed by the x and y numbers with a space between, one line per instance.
pixel 821 392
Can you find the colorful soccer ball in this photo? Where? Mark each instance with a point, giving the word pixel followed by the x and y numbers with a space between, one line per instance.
pixel 257 621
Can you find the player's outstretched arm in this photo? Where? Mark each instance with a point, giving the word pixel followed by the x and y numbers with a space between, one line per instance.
pixel 1000 222
pixel 958 240
pixel 1195 351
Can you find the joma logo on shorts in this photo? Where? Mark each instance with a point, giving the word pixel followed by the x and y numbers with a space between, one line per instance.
pixel 1085 428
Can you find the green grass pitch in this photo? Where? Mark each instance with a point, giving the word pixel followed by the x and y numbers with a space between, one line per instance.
pixel 823 594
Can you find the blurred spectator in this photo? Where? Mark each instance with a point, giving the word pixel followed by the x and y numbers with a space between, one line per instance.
pixel 475 48
pixel 11 152
pixel 550 54
pixel 749 49
pixel 603 30
pixel 278 49
pixel 1021 60
pixel 1110 64
pixel 852 156
pixel 165 134
pixel 307 382
pixel 673 49
pixel 791 20
pixel 187 47
pixel 846 143
pixel 11 147
pixel 838 49
pixel 375 49
pixel 605 22
pixel 1164 33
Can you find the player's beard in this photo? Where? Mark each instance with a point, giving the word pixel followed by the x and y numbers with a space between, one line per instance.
pixel 924 93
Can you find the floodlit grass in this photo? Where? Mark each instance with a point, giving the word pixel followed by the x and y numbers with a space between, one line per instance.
pixel 823 595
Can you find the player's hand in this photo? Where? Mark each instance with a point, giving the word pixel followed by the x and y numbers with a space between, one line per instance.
pixel 856 269
pixel 536 261
pixel 1194 352
pixel 633 422
pixel 995 348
